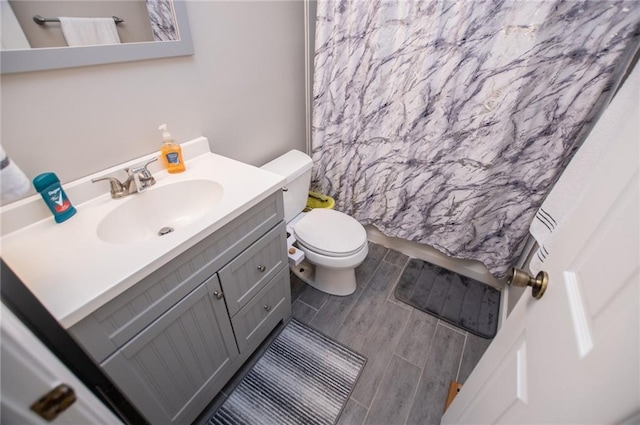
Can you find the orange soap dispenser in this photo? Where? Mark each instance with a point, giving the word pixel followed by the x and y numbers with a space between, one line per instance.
pixel 171 152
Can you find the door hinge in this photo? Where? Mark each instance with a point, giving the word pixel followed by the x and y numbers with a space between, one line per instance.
pixel 56 401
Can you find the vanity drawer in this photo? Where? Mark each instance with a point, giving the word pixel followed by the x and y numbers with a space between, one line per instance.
pixel 254 322
pixel 122 318
pixel 248 273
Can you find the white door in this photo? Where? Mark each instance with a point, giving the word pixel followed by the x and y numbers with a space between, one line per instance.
pixel 573 356
pixel 30 370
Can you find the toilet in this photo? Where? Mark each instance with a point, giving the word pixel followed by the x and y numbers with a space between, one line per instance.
pixel 332 243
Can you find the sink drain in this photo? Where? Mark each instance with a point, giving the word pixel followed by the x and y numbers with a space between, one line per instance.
pixel 165 230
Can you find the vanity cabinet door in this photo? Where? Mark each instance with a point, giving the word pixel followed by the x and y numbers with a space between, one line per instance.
pixel 174 368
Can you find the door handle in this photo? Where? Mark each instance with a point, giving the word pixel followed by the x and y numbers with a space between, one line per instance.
pixel 523 279
pixel 56 401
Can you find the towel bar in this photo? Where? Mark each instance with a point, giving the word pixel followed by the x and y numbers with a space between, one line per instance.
pixel 41 21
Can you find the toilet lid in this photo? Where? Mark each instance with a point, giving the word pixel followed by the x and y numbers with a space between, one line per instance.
pixel 329 232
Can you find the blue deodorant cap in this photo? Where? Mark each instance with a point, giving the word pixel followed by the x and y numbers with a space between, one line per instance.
pixel 48 185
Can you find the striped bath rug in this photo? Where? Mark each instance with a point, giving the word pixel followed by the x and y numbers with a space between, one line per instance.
pixel 303 377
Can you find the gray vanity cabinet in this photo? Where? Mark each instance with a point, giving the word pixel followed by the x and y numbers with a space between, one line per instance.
pixel 167 371
pixel 173 340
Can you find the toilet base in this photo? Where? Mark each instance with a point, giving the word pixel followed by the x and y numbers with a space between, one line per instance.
pixel 340 282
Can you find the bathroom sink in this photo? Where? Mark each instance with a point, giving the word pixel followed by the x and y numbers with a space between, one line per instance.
pixel 159 211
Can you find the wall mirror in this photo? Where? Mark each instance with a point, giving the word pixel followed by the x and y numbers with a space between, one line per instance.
pixel 150 29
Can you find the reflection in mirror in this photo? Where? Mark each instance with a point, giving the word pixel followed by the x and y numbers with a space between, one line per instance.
pixel 141 21
pixel 149 29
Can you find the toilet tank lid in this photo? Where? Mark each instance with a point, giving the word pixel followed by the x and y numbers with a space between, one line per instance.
pixel 290 165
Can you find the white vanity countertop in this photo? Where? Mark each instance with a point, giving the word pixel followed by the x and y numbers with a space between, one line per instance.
pixel 73 272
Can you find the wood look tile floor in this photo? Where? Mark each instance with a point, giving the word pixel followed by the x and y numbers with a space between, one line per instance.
pixel 411 356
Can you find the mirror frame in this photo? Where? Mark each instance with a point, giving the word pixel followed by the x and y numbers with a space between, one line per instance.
pixel 12 61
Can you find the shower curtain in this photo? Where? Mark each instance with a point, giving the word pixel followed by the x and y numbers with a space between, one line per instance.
pixel 448 122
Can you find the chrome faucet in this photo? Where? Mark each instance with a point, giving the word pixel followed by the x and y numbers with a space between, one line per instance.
pixel 138 179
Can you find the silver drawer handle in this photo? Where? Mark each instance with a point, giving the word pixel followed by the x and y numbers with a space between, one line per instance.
pixel 267 307
pixel 262 268
pixel 219 295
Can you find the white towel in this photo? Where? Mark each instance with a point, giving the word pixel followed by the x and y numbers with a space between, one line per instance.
pixel 578 177
pixel 13 183
pixel 89 31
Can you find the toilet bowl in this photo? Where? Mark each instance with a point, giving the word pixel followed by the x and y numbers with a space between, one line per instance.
pixel 333 243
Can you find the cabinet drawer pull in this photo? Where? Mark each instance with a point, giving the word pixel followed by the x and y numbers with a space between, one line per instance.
pixel 262 268
pixel 219 295
pixel 267 307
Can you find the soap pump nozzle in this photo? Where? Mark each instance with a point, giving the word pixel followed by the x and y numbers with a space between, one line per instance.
pixel 166 136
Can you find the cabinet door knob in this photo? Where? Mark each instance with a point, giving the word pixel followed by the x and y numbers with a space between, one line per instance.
pixel 267 307
pixel 219 295
pixel 262 268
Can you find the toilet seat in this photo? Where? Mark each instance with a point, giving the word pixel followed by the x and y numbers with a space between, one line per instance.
pixel 330 233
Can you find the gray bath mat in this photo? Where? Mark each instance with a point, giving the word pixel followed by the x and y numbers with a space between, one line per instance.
pixel 459 300
pixel 303 377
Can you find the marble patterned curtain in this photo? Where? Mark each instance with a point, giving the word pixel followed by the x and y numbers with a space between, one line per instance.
pixel 448 122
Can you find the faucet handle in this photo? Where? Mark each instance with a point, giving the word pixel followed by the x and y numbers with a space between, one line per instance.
pixel 141 169
pixel 141 175
pixel 117 189
pixel 150 162
pixel 145 171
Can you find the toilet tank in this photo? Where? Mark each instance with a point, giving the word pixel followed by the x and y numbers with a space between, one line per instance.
pixel 295 166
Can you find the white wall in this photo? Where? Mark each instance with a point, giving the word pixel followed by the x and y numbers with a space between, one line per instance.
pixel 243 89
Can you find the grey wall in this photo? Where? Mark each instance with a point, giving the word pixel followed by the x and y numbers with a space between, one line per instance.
pixel 243 89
